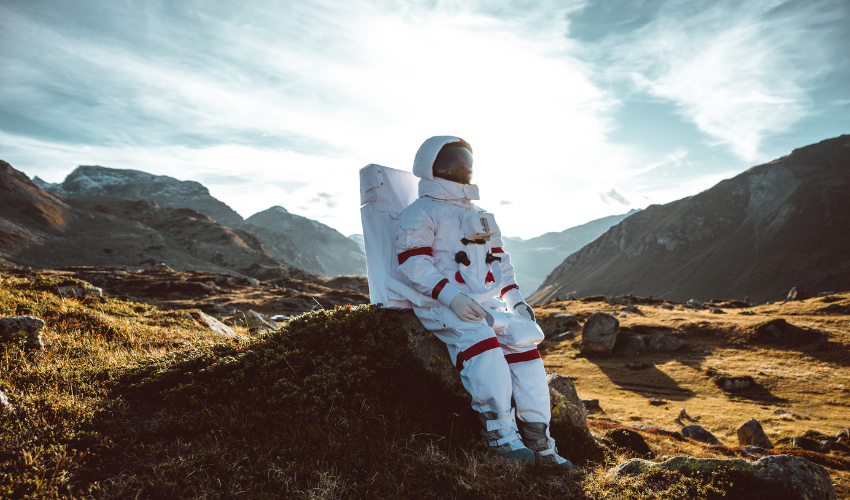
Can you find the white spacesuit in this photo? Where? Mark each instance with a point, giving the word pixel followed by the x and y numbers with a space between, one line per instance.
pixel 452 252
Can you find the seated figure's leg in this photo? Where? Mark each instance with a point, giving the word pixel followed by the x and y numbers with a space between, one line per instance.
pixel 530 388
pixel 485 375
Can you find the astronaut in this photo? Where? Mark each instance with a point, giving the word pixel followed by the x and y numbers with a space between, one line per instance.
pixel 452 251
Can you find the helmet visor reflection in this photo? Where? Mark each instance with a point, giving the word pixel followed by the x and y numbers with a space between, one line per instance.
pixel 452 159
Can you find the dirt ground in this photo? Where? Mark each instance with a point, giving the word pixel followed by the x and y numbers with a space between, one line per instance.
pixel 802 382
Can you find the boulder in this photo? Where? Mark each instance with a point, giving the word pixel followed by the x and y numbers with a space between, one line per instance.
pixel 562 321
pixel 599 334
pixel 617 301
pixel 629 346
pixel 80 291
pixel 666 306
pixel 17 328
pixel 797 293
pixel 566 405
pixel 630 307
pixel 630 441
pixel 698 433
pixel 805 443
pixel 591 405
pixel 547 328
pixel 752 434
pixel 695 302
pixel 254 319
pixel 843 433
pixel 717 310
pixel 732 384
pixel 663 342
pixel 213 324
pixel 789 474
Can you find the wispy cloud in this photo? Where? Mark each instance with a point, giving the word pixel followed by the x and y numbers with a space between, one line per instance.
pixel 614 196
pixel 740 71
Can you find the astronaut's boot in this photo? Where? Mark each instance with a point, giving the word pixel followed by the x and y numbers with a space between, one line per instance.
pixel 499 435
pixel 535 436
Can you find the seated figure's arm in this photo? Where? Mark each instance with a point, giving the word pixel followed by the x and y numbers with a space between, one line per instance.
pixel 414 238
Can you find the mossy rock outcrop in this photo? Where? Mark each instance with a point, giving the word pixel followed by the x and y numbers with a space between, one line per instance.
pixel 779 477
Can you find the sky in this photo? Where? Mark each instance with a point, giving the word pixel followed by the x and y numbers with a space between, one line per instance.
pixel 575 109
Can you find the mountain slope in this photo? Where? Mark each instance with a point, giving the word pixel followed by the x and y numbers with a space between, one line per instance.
pixel 775 226
pixel 535 258
pixel 42 229
pixel 279 239
pixel 337 254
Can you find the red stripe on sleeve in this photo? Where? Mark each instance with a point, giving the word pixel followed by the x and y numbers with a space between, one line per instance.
pixel 508 289
pixel 476 349
pixel 439 288
pixel 522 356
pixel 403 256
pixel 459 277
pixel 497 250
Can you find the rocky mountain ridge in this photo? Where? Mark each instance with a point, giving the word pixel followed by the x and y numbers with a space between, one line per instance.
pixel 287 237
pixel 773 227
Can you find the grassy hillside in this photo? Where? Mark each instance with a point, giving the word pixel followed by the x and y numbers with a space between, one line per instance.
pixel 129 401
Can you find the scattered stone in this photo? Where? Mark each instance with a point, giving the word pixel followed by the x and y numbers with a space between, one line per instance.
pixel 213 324
pixel 562 321
pixel 706 353
pixel 683 415
pixel 797 293
pixel 27 328
pixel 825 294
pixel 80 291
pixel 657 401
pixel 717 310
pixel 805 443
pixel 277 318
pixel 591 405
pixel 666 306
pixel 794 475
pixel 732 384
pixel 599 334
pixel 617 301
pixel 695 302
pixel 843 433
pixel 627 439
pixel 629 346
pixel 636 366
pixel 630 307
pixel 834 308
pixel 5 404
pixel 698 433
pixel 563 336
pixel 747 313
pixel 785 413
pixel 663 342
pixel 257 320
pixel 566 405
pixel 752 434
pixel 253 282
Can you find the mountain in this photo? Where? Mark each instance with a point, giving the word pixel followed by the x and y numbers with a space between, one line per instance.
pixel 773 227
pixel 93 180
pixel 289 242
pixel 337 254
pixel 46 230
pixel 535 258
pixel 358 238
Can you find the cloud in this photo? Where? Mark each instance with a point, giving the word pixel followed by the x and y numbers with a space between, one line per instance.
pixel 613 196
pixel 505 202
pixel 740 71
pixel 326 198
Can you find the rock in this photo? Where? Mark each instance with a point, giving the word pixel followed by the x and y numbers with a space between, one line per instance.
pixel 843 433
pixel 732 384
pixel 636 366
pixel 257 320
pixel 786 473
pixel 563 336
pixel 252 281
pixel 629 346
pixel 5 404
pixel 657 401
pixel 570 409
pixel 547 328
pixel 617 301
pixel 27 328
pixel 627 439
pixel 698 433
pixel 666 306
pixel 752 434
pixel 747 313
pixel 591 405
pixel 683 415
pixel 80 291
pixel 599 334
pixel 797 293
pixel 805 443
pixel 630 307
pixel 717 310
pixel 825 294
pixel 562 321
pixel 214 324
pixel 663 342
pixel 277 318
pixel 833 308
pixel 695 302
